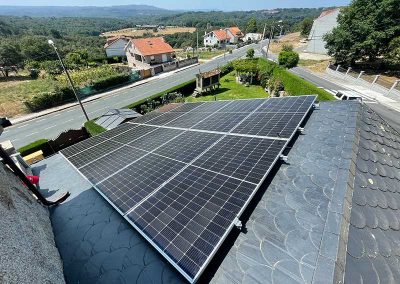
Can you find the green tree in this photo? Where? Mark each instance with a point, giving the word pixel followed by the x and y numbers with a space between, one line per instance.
pixel 250 53
pixel 9 56
pixel 306 26
pixel 36 48
pixel 393 55
pixel 364 31
pixel 288 59
pixel 251 26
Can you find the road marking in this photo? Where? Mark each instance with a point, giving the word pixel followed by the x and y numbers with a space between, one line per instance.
pixel 57 115
pixel 40 120
pixel 33 133
pixel 4 132
pixel 22 126
pixel 50 127
pixel 69 110
pixel 69 120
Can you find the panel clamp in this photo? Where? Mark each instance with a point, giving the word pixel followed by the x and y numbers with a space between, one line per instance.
pixel 238 223
pixel 283 158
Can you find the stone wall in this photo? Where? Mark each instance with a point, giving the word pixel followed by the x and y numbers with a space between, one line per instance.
pixel 27 250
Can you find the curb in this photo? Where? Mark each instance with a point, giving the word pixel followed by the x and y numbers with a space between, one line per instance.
pixel 42 113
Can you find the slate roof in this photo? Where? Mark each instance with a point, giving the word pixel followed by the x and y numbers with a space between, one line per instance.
pixel 114 117
pixel 373 254
pixel 297 229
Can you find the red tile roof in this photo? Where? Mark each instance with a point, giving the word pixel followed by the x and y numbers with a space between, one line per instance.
pixel 221 34
pixel 152 46
pixel 235 31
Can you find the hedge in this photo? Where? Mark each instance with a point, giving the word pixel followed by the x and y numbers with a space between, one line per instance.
pixel 41 144
pixel 65 94
pixel 111 81
pixel 297 86
pixel 185 88
pixel 93 128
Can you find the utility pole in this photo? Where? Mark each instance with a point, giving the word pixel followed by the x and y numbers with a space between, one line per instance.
pixel 271 34
pixel 197 42
pixel 69 78
pixel 262 38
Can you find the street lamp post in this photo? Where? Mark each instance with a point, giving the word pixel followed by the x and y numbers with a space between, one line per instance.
pixel 69 78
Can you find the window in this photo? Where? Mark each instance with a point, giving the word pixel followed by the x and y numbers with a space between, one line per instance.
pixel 152 58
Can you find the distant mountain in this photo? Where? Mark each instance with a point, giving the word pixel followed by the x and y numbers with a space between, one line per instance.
pixel 124 11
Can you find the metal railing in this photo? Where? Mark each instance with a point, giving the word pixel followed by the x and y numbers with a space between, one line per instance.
pixel 376 82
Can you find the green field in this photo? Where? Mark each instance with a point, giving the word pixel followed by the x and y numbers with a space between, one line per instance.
pixel 231 90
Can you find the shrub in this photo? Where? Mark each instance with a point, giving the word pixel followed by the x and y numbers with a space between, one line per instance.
pixel 38 145
pixel 50 99
pixel 250 53
pixel 287 47
pixel 227 68
pixel 93 128
pixel 110 81
pixel 288 59
pixel 297 86
pixel 184 88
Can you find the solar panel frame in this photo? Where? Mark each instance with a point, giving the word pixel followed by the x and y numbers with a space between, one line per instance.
pixel 233 223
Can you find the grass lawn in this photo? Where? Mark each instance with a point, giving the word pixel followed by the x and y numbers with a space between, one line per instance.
pixel 230 90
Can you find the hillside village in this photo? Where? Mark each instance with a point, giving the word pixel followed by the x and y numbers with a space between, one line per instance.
pixel 148 145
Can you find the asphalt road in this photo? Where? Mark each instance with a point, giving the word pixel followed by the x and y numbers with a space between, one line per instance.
pixel 51 125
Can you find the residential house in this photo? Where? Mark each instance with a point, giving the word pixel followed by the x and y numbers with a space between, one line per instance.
pixel 145 53
pixel 324 24
pixel 235 34
pixel 115 46
pixel 221 37
pixel 252 37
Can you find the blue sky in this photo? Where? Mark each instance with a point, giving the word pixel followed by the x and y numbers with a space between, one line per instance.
pixel 185 4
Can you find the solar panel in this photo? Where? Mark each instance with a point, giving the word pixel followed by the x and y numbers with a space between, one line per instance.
pixel 130 185
pixel 93 153
pixel 211 106
pixel 155 138
pixel 133 134
pixel 186 107
pixel 188 120
pixel 81 146
pixel 182 178
pixel 146 118
pixel 106 165
pixel 246 106
pixel 188 217
pixel 188 146
pixel 300 104
pixel 222 122
pixel 270 124
pixel 245 158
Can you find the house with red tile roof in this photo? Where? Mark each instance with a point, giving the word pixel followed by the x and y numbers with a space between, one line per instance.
pixel 221 37
pixel 145 53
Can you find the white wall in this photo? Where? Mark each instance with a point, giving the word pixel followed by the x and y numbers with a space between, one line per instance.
pixel 116 48
pixel 321 27
pixel 210 39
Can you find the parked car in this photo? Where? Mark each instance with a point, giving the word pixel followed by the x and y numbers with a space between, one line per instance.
pixel 348 96
pixel 4 121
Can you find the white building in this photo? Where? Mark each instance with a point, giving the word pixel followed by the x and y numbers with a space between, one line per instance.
pixel 221 37
pixel 324 24
pixel 252 37
pixel 116 46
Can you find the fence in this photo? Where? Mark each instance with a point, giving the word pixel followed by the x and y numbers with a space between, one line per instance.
pixel 173 65
pixel 375 82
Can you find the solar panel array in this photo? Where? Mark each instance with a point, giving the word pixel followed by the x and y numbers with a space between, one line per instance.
pixel 183 178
